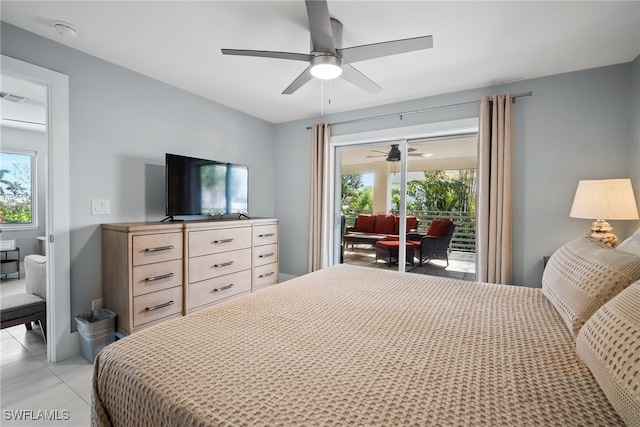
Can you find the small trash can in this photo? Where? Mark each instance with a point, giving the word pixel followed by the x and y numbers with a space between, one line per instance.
pixel 97 330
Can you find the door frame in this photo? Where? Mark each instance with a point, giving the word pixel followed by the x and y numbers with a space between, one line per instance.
pixel 61 342
pixel 332 233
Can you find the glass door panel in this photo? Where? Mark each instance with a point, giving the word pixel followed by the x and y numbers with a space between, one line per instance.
pixel 364 202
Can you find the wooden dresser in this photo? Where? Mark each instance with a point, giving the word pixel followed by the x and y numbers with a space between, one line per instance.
pixel 152 272
pixel 265 255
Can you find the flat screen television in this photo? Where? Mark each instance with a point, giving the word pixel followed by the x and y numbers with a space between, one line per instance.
pixel 205 187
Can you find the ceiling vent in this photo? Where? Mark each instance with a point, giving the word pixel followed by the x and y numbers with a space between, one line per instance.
pixel 12 98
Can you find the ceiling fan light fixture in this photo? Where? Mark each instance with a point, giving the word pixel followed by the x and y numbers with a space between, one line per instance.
pixel 326 67
pixel 394 154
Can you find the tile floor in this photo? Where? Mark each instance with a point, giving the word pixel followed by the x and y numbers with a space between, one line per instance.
pixel 29 383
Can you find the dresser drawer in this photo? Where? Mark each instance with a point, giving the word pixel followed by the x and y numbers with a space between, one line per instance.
pixel 265 234
pixel 156 277
pixel 157 305
pixel 265 254
pixel 209 266
pixel 215 241
pixel 151 248
pixel 265 275
pixel 213 290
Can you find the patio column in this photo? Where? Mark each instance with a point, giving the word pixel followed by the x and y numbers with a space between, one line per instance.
pixel 380 190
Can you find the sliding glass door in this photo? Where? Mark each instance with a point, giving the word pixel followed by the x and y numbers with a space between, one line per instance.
pixel 368 209
pixel 387 194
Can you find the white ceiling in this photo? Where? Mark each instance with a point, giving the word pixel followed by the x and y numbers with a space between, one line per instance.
pixel 423 154
pixel 475 44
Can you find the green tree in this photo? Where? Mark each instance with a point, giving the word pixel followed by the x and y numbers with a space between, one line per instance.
pixel 4 184
pixel 351 186
pixel 438 191
pixel 362 201
pixel 356 198
pixel 15 199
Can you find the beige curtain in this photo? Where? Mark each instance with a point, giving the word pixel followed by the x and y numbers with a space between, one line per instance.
pixel 318 194
pixel 494 190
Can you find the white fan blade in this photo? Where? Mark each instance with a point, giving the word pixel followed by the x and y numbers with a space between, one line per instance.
pixel 298 82
pixel 377 50
pixel 268 54
pixel 350 74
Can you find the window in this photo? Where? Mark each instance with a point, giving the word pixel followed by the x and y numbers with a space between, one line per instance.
pixel 17 189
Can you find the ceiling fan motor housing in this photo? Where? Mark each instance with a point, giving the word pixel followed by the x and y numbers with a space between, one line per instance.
pixel 394 154
pixel 326 66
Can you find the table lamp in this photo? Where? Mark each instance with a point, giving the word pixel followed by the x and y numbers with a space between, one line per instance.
pixel 604 199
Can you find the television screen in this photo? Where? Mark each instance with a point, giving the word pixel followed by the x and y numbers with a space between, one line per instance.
pixel 205 187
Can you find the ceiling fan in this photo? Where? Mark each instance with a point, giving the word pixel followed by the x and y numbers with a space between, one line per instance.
pixel 394 154
pixel 328 59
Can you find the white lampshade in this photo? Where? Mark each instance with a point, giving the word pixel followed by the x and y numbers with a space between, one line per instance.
pixel 605 199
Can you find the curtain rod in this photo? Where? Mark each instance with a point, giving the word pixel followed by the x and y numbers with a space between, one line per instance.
pixel 424 110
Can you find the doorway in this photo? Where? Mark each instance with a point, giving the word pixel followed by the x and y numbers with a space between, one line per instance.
pixel 437 180
pixel 61 342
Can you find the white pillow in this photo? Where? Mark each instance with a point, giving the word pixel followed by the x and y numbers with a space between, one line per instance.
pixel 608 344
pixel 583 275
pixel 632 244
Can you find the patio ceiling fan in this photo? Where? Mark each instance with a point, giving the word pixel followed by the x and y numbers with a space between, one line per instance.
pixel 328 59
pixel 394 153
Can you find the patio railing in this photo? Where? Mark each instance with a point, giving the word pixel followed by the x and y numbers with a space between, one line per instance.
pixel 464 237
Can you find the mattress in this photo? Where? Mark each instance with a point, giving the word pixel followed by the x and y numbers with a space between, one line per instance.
pixel 352 345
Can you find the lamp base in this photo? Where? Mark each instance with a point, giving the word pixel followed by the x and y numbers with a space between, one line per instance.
pixel 602 230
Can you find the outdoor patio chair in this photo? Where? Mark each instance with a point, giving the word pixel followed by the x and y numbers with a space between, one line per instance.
pixel 435 244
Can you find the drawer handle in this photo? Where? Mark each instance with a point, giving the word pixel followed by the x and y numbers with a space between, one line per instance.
pixel 222 241
pixel 266 255
pixel 157 307
pixel 160 248
pixel 164 276
pixel 224 288
pixel 265 275
pixel 224 264
pixel 266 235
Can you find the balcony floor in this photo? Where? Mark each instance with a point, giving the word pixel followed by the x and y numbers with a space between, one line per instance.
pixel 462 265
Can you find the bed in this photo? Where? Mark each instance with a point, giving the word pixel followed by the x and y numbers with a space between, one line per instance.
pixel 353 345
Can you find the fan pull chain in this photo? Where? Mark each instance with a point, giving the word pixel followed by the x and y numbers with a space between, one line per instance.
pixel 321 97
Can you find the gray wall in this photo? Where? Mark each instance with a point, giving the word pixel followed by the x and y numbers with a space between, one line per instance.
pixel 634 154
pixel 33 141
pixel 121 125
pixel 575 126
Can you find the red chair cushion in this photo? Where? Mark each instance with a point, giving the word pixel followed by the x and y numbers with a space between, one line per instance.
pixel 439 227
pixel 385 224
pixel 394 244
pixel 412 223
pixel 366 223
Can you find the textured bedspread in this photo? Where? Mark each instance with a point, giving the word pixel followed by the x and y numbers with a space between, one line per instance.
pixel 355 346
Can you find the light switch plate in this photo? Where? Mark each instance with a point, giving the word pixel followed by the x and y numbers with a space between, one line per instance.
pixel 100 207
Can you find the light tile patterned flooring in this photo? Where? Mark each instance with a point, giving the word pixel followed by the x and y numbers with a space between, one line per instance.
pixel 29 383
